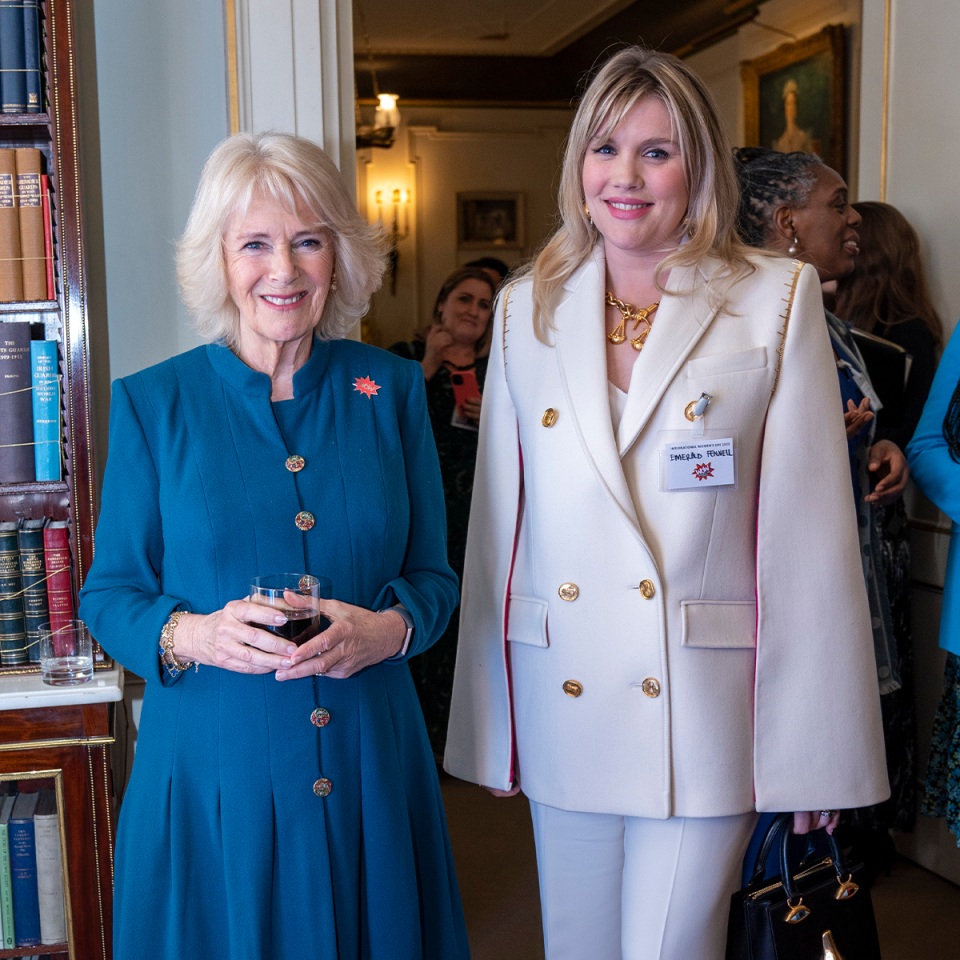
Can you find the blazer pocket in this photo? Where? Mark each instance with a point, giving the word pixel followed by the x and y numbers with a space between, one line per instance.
pixel 720 624
pixel 527 621
pixel 755 359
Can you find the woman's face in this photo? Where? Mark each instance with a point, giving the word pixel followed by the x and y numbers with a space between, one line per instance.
pixel 466 311
pixel 826 227
pixel 279 266
pixel 634 183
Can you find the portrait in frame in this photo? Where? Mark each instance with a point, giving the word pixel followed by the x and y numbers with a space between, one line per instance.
pixel 486 220
pixel 794 98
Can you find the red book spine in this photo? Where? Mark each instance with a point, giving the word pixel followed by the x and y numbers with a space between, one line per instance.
pixel 47 235
pixel 56 552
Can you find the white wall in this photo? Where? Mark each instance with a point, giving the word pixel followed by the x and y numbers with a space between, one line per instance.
pixel 161 85
pixel 442 151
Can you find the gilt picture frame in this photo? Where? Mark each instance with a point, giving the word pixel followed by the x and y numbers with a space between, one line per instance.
pixel 490 220
pixel 794 97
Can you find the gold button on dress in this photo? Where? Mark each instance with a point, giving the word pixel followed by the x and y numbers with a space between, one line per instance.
pixel 569 591
pixel 647 590
pixel 651 687
pixel 572 688
pixel 320 717
pixel 549 417
pixel 322 787
pixel 295 463
pixel 305 520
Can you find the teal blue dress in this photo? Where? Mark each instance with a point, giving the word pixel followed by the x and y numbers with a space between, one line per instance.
pixel 224 848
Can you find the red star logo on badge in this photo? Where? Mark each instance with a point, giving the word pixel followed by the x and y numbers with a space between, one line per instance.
pixel 703 470
pixel 366 386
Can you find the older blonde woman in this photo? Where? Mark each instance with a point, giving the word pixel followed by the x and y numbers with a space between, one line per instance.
pixel 284 801
pixel 664 624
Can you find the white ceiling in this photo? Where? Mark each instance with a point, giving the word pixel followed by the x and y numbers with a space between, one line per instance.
pixel 491 27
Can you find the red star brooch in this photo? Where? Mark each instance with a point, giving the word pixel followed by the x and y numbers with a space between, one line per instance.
pixel 703 470
pixel 366 386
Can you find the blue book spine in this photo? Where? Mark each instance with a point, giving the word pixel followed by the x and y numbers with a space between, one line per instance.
pixel 23 870
pixel 13 73
pixel 31 55
pixel 45 377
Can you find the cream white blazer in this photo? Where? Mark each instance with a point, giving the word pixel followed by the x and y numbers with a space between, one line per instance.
pixel 641 652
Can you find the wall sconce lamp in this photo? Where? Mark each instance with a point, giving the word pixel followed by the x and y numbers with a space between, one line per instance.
pixel 397 198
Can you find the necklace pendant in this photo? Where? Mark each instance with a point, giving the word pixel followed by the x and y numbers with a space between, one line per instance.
pixel 616 337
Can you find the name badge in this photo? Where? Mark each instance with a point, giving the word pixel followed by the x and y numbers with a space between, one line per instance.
pixel 697 464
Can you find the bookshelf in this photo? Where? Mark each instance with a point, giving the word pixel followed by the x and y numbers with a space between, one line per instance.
pixel 64 733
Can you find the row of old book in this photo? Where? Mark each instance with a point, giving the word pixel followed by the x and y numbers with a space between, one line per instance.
pixel 26 229
pixel 31 874
pixel 21 74
pixel 35 586
pixel 30 404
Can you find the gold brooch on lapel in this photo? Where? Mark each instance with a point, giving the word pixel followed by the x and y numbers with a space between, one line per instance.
pixel 365 386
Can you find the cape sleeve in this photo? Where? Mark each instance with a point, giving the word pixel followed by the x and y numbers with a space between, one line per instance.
pixel 122 600
pixel 480 734
pixel 818 738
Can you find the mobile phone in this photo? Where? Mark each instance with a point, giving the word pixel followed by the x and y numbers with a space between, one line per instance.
pixel 464 386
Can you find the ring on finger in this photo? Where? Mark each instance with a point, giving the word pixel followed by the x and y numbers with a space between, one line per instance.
pixel 827 814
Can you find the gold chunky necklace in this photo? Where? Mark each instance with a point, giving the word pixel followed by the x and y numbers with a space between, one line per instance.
pixel 629 312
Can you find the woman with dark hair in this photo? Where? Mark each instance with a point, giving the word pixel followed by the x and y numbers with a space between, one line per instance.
pixel 794 204
pixel 453 355
pixel 887 295
pixel 934 454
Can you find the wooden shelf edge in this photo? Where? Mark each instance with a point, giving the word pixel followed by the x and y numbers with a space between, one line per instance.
pixel 24 120
pixel 29 306
pixel 35 486
pixel 38 950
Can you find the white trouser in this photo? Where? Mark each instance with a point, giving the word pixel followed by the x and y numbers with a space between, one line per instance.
pixel 630 888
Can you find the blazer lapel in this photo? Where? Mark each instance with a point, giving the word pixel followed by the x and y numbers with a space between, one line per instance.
pixel 581 357
pixel 679 323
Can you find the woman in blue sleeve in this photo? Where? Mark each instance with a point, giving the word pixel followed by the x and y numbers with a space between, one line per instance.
pixel 934 454
pixel 284 801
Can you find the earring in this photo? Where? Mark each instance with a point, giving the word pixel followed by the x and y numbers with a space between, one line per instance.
pixel 794 248
pixel 333 281
pixel 586 210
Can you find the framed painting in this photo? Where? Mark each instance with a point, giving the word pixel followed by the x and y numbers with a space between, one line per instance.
pixel 486 220
pixel 794 98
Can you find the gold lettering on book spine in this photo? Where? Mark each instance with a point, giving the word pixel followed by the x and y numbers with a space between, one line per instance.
pixel 785 316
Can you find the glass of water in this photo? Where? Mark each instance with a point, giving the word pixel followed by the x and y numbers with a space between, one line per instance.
pixel 66 653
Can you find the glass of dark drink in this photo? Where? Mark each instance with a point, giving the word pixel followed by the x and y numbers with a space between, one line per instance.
pixel 294 595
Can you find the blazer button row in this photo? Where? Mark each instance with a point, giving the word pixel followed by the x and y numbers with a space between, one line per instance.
pixel 570 591
pixel 304 519
pixel 650 686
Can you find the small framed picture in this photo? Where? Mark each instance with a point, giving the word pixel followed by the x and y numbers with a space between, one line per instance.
pixel 794 98
pixel 488 220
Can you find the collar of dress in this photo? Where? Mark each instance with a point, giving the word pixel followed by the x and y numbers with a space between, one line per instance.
pixel 236 375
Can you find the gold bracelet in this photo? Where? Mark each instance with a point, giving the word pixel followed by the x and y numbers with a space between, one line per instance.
pixel 171 663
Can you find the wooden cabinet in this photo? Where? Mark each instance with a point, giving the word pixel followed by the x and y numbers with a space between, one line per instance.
pixel 64 733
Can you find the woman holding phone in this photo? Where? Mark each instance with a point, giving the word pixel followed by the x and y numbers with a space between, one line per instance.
pixel 454 361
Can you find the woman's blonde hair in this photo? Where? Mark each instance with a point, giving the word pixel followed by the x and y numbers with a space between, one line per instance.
pixel 710 222
pixel 292 171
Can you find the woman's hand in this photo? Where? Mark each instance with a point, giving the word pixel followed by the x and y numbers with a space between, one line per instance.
pixel 228 639
pixel 512 792
pixel 356 638
pixel 856 418
pixel 437 341
pixel 889 463
pixel 804 822
pixel 471 408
